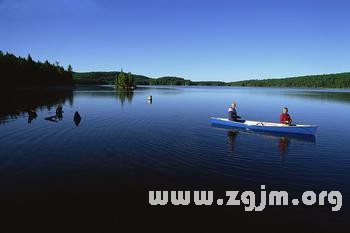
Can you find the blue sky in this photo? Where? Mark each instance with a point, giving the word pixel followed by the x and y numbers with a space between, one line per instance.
pixel 199 40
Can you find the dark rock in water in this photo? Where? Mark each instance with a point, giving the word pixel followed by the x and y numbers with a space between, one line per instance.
pixel 77 118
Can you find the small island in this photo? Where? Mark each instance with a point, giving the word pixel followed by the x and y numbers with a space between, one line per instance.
pixel 125 81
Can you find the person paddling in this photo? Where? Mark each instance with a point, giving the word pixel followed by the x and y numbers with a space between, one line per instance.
pixel 232 112
pixel 285 117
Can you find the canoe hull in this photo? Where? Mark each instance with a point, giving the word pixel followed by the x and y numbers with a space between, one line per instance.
pixel 266 126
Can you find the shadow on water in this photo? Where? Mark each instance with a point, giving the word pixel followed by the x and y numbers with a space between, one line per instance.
pixel 26 102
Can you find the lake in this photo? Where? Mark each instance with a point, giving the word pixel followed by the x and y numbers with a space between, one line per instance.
pixel 99 170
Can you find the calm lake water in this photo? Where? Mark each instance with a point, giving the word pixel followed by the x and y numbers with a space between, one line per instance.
pixel 99 170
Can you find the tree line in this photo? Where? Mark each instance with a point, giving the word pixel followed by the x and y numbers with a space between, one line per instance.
pixel 110 78
pixel 19 71
pixel 340 80
pixel 105 78
pixel 170 81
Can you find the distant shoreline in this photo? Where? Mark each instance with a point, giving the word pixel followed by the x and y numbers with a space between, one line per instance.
pixel 337 80
pixel 27 72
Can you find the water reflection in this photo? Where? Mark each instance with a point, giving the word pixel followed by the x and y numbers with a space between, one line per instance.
pixel 331 96
pixel 123 96
pixel 26 102
pixel 282 144
pixel 231 138
pixel 58 116
pixel 32 115
pixel 77 118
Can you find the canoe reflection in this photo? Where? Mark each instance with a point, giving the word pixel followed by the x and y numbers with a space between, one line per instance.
pixel 300 137
pixel 231 138
pixel 283 142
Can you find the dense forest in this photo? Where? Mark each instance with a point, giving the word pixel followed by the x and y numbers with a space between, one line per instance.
pixel 110 78
pixel 170 81
pixel 208 83
pixel 18 71
pixel 106 78
pixel 340 80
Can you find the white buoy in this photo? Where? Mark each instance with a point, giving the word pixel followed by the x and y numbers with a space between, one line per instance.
pixel 149 98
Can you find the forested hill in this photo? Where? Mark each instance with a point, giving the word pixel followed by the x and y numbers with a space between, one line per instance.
pixel 18 71
pixel 106 78
pixel 110 77
pixel 340 80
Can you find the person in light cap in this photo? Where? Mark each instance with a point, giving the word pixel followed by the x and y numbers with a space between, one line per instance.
pixel 232 112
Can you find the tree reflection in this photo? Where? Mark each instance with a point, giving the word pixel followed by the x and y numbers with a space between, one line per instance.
pixel 26 102
pixel 58 116
pixel 123 96
pixel 32 115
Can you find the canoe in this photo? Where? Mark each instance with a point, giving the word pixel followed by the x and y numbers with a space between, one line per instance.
pixel 266 126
